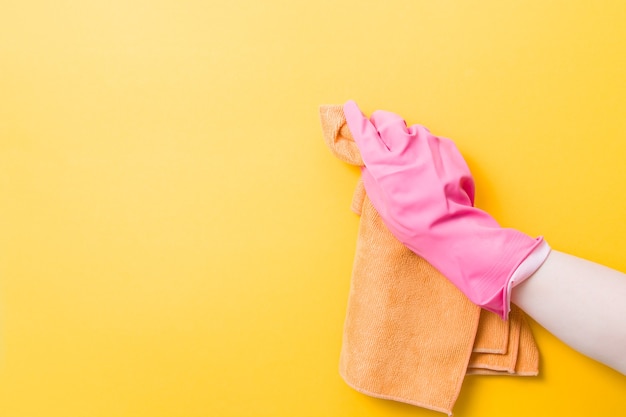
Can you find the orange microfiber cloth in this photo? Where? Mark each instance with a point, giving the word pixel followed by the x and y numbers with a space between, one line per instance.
pixel 409 334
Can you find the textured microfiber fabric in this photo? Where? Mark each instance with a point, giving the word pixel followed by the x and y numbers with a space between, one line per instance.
pixel 409 334
pixel 520 358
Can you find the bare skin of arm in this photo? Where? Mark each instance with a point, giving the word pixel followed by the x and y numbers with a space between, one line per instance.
pixel 580 302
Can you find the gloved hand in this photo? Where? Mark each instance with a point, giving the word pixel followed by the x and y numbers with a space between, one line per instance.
pixel 424 192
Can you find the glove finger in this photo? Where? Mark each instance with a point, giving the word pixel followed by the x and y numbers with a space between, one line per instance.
pixel 392 129
pixel 457 171
pixel 372 148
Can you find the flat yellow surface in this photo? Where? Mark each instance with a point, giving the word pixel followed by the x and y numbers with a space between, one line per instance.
pixel 176 240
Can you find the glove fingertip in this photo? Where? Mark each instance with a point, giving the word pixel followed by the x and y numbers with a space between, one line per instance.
pixel 363 131
pixel 352 112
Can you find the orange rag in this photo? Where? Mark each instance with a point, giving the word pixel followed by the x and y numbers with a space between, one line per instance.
pixel 409 334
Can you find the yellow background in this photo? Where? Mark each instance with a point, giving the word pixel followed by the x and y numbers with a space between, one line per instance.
pixel 176 240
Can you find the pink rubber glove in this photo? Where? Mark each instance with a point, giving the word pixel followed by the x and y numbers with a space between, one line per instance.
pixel 424 192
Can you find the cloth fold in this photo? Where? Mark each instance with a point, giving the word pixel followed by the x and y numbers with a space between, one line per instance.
pixel 409 334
